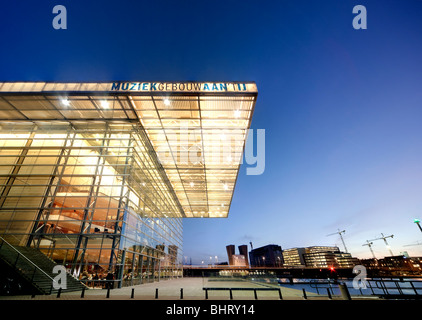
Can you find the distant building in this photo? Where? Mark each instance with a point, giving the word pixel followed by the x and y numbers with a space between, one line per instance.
pixel 401 262
pixel 370 263
pixel 345 260
pixel 394 262
pixel 415 263
pixel 319 257
pixel 243 250
pixel 405 254
pixel 398 265
pixel 230 252
pixel 317 249
pixel 239 260
pixel 294 257
pixel 266 256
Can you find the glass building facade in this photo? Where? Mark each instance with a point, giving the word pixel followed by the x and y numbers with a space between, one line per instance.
pixel 318 257
pixel 99 178
pixel 294 257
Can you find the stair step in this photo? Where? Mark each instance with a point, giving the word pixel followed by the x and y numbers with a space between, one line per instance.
pixel 26 269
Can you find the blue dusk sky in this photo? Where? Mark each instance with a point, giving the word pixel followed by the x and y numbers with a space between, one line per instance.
pixel 341 108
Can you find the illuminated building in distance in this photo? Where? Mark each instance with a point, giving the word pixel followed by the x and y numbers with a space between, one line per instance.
pixel 318 257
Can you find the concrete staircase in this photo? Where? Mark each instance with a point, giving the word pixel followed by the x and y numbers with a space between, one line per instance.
pixel 35 268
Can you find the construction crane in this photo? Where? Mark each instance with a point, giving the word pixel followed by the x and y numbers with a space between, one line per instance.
pixel 413 244
pixel 369 244
pixel 385 241
pixel 342 240
pixel 418 222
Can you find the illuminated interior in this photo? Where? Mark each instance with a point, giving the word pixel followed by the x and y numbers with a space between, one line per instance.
pixel 100 181
pixel 199 138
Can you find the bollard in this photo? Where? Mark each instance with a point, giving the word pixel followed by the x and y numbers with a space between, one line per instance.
pixel 344 291
pixel 181 293
pixel 83 293
pixel 256 296
pixel 108 293
pixel 279 293
pixel 206 293
pixel 231 294
pixel 33 295
pixel 156 293
pixel 304 294
pixel 329 293
pixel 59 292
pixel 133 293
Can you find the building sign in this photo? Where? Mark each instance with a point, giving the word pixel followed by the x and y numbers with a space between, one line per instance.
pixel 125 86
pixel 184 86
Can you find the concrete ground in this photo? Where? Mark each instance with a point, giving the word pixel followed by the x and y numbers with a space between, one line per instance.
pixel 194 305
pixel 192 290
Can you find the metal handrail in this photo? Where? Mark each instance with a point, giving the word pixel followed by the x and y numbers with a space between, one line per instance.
pixel 319 284
pixel 20 254
pixel 383 285
pixel 380 284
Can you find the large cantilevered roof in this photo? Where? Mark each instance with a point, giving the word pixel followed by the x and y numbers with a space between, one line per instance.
pixel 197 129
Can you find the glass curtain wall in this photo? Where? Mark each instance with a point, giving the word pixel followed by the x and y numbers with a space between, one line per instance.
pixel 100 180
pixel 91 197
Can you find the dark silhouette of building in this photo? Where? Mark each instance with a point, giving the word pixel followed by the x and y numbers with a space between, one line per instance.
pixel 243 250
pixel 266 256
pixel 230 253
pixel 394 265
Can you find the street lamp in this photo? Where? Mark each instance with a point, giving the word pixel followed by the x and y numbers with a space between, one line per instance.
pixel 418 222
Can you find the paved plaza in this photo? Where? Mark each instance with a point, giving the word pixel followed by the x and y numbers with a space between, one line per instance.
pixel 192 289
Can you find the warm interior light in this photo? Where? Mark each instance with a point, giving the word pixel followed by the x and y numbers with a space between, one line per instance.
pixel 167 102
pixel 104 104
pixel 192 184
pixel 226 187
pixel 237 113
pixel 65 102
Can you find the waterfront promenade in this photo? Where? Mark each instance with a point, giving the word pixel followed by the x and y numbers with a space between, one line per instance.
pixel 192 289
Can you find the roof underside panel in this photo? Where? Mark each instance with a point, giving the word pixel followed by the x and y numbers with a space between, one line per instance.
pixel 199 138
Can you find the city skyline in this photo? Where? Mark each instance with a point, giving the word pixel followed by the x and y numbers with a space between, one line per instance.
pixel 341 108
